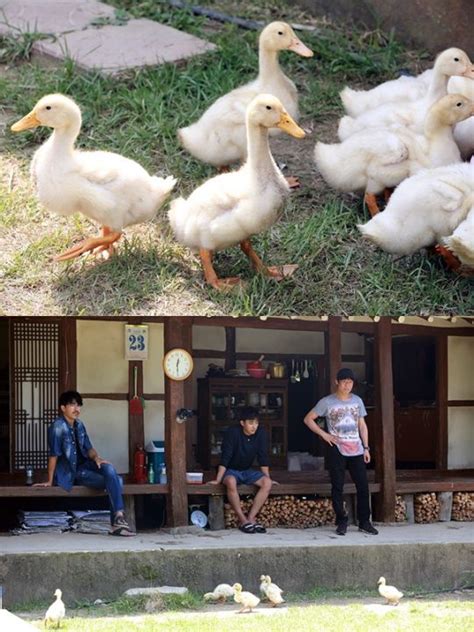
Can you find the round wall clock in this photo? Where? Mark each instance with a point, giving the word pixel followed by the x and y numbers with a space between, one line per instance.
pixel 178 364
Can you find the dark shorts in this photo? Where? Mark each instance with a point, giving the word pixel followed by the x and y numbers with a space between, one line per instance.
pixel 245 477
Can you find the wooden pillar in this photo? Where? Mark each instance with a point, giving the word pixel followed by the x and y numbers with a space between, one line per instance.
pixel 384 447
pixel 442 400
pixel 67 354
pixel 178 333
pixel 333 349
pixel 136 421
pixel 229 348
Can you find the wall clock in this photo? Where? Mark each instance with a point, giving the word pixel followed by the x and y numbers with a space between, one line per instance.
pixel 178 364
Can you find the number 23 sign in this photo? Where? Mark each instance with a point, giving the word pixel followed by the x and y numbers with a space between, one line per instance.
pixel 136 342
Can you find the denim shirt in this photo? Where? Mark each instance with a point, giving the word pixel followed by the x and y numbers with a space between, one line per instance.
pixel 62 444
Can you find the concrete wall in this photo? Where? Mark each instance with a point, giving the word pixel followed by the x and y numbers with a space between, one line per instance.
pixel 431 24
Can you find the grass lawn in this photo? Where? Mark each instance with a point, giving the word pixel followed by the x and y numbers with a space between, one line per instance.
pixel 342 616
pixel 138 115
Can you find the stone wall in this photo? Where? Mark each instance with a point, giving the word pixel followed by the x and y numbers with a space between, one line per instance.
pixel 431 24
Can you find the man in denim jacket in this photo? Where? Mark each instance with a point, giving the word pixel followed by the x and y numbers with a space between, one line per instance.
pixel 73 460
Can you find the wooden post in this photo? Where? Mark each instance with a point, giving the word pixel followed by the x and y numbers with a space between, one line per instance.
pixel 178 333
pixel 136 422
pixel 67 354
pixel 442 401
pixel 333 349
pixel 384 452
pixel 229 348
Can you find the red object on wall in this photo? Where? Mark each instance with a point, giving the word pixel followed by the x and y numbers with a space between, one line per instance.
pixel 139 465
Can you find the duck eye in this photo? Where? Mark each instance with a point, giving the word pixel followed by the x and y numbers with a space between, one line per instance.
pixel 280 32
pixel 269 107
pixel 48 107
pixel 456 59
pixel 458 105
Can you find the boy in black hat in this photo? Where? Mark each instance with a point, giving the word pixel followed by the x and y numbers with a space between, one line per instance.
pixel 348 439
pixel 241 445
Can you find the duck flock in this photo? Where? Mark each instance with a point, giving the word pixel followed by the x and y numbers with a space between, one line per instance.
pixel 412 133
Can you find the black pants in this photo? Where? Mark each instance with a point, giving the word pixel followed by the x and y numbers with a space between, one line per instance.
pixel 337 470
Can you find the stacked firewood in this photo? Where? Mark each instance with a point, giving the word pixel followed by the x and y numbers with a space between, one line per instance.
pixel 426 507
pixel 287 511
pixel 463 506
pixel 400 510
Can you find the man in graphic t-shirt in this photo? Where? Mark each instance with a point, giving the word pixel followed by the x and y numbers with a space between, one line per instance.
pixel 348 438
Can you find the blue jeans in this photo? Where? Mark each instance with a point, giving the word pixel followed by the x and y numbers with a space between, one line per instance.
pixel 105 477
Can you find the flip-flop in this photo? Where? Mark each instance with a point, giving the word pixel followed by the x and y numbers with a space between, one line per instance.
pixel 259 528
pixel 248 527
pixel 122 531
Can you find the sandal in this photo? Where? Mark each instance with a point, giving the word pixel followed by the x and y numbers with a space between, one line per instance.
pixel 123 531
pixel 248 527
pixel 259 528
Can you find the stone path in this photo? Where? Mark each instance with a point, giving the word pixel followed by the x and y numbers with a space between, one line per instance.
pixel 87 32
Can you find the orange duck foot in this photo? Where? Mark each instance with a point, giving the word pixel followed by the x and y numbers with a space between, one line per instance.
pixel 293 182
pixel 371 202
pixel 452 262
pixel 95 245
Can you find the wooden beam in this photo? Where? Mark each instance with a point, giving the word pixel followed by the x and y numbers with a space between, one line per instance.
pixel 136 422
pixel 68 354
pixel 461 402
pixel 178 333
pixel 257 323
pixel 333 349
pixel 384 453
pixel 442 402
pixel 229 348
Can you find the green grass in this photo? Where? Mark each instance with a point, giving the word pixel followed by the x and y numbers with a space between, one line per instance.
pixel 415 616
pixel 138 115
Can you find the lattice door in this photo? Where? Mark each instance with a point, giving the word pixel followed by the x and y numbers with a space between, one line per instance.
pixel 35 375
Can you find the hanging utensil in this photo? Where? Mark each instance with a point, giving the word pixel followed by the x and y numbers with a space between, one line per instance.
pixel 297 374
pixel 306 372
pixel 292 376
pixel 135 404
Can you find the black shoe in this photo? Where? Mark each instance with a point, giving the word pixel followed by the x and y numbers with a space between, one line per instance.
pixel 341 528
pixel 367 527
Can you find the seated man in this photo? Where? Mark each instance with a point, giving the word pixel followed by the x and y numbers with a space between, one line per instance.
pixel 73 460
pixel 240 446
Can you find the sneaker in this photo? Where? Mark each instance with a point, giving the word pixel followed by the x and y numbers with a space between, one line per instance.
pixel 367 527
pixel 341 528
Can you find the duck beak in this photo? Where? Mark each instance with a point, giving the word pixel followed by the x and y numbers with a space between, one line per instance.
pixel 288 125
pixel 297 46
pixel 27 122
pixel 469 72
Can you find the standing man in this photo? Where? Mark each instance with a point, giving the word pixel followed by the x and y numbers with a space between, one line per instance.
pixel 240 446
pixel 348 440
pixel 73 460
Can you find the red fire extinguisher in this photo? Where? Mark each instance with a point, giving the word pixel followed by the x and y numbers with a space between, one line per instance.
pixel 139 465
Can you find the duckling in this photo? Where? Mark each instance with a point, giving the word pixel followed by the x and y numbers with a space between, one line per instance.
pixel 391 594
pixel 464 131
pixel 219 136
pixel 106 187
pixel 423 209
pixel 451 62
pixel 263 587
pixel 246 599
pixel 378 158
pixel 56 611
pixel 461 242
pixel 271 591
pixel 227 209
pixel 220 593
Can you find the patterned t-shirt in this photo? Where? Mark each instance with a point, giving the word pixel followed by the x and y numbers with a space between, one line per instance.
pixel 342 418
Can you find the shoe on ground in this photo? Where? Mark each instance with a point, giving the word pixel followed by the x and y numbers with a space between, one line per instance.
pixel 367 527
pixel 341 528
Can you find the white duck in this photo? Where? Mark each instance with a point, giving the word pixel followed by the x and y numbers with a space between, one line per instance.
pixel 461 242
pixel 220 593
pixel 247 600
pixel 219 136
pixel 380 158
pixel 464 131
pixel 451 62
pixel 56 611
pixel 263 587
pixel 227 209
pixel 272 591
pixel 423 209
pixel 391 594
pixel 108 188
